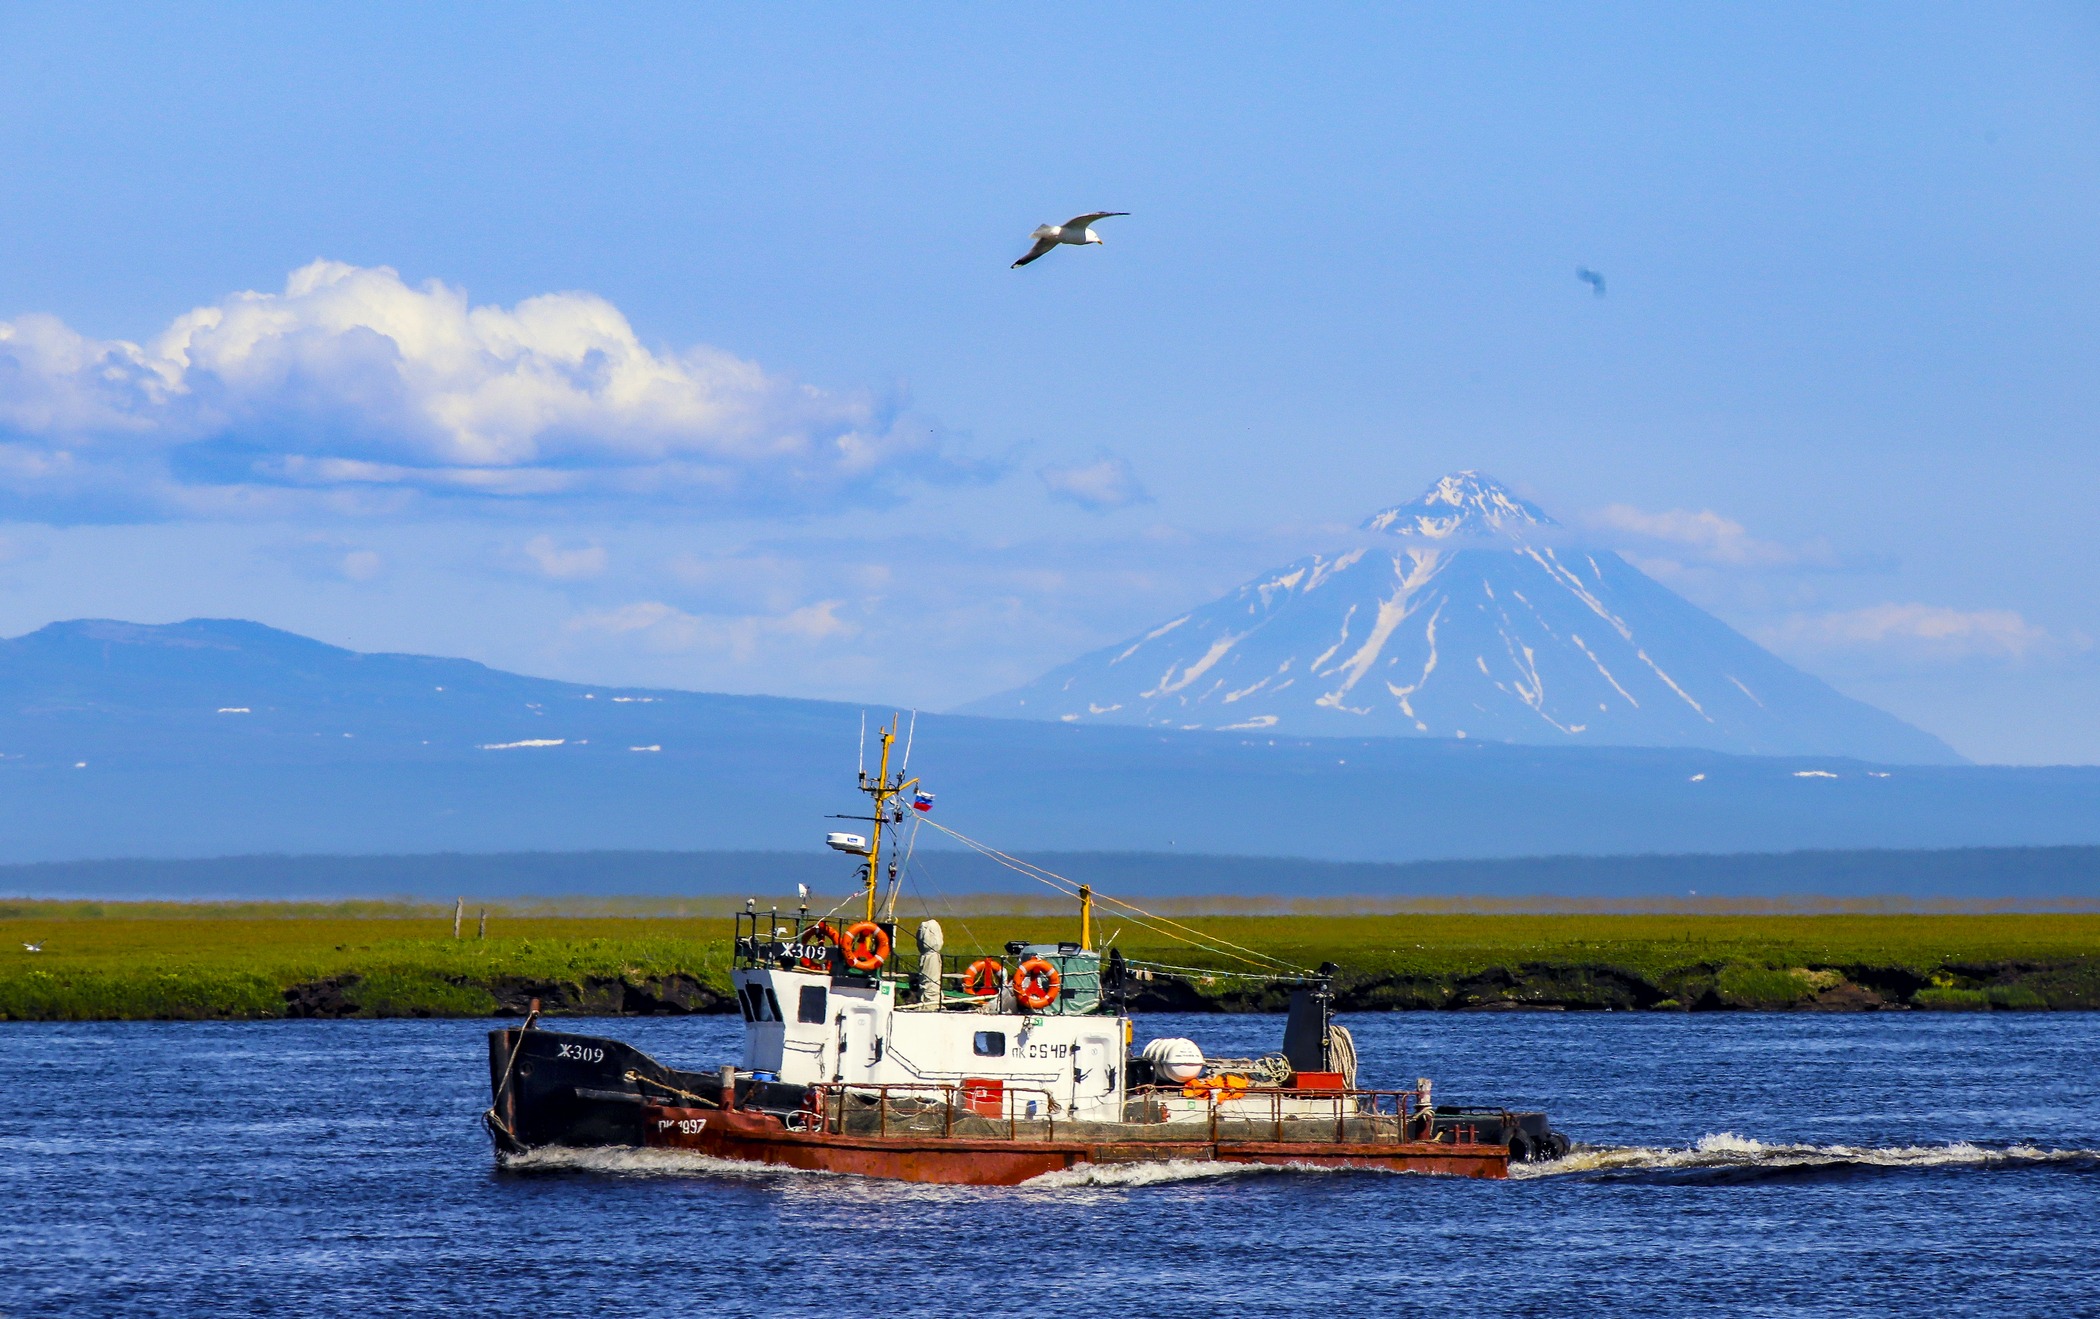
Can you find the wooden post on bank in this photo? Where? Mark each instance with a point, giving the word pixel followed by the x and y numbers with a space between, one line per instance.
pixel 459 909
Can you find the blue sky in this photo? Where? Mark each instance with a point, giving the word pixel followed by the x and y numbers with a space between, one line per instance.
pixel 640 344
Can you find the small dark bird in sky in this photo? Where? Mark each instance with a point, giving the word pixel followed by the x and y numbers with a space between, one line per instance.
pixel 1591 278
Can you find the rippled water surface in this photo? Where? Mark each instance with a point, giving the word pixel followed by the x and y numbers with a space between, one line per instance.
pixel 1742 1165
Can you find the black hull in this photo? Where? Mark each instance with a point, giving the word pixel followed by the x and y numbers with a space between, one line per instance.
pixel 581 1091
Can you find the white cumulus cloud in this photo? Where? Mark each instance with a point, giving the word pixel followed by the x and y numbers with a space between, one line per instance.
pixel 1104 483
pixel 352 382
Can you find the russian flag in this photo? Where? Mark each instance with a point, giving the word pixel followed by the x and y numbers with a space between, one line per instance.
pixel 922 801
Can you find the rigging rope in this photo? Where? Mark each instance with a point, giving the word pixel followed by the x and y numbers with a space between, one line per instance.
pixel 1162 925
pixel 911 844
pixel 931 896
pixel 1070 888
pixel 1172 969
pixel 835 910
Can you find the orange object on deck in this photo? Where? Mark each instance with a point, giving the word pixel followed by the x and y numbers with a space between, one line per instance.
pixel 984 1096
pixel 1219 1088
pixel 1318 1081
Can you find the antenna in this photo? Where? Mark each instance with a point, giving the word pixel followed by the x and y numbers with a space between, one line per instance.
pixel 906 768
pixel 863 757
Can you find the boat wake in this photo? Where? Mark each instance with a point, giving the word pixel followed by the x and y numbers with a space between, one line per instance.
pixel 1727 1159
pixel 1719 1160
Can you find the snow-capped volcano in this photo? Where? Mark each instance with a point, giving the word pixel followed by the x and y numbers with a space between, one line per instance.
pixel 1462 505
pixel 1467 613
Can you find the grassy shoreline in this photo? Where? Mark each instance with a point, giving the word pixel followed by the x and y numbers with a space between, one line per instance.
pixel 116 961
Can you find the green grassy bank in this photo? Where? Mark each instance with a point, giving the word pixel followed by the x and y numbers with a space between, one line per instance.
pixel 105 961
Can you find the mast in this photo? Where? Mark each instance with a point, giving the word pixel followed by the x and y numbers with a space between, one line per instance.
pixel 883 792
pixel 1086 918
pixel 880 791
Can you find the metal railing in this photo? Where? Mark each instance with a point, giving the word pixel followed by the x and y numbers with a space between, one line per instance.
pixel 779 940
pixel 1382 1117
pixel 1399 1111
pixel 828 1105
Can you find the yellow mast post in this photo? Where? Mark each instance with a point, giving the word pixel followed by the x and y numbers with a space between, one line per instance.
pixel 1086 918
pixel 881 793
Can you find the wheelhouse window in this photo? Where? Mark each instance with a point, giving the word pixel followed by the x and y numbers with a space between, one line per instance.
pixel 810 1012
pixel 990 1044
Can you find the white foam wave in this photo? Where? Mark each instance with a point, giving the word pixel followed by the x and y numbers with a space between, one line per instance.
pixel 1723 1155
pixel 630 1162
pixel 1726 1150
pixel 1172 1170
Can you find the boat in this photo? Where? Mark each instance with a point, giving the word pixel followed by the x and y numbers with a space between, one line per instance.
pixel 1018 1064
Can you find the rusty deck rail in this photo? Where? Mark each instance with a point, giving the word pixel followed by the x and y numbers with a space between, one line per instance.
pixel 828 1099
pixel 1406 1119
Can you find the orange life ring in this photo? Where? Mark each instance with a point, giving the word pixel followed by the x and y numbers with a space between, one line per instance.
pixel 984 977
pixel 867 946
pixel 808 940
pixel 1036 983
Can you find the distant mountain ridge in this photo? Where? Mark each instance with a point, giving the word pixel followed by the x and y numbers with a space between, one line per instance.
pixel 2034 877
pixel 1466 613
pixel 217 738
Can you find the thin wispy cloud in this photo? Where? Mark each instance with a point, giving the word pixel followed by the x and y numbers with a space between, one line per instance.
pixel 1706 536
pixel 1104 483
pixel 565 563
pixel 356 387
pixel 667 628
pixel 363 565
pixel 1922 632
pixel 322 557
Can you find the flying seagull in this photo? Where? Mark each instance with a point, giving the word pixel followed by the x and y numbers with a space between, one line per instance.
pixel 1078 231
pixel 34 948
pixel 1591 278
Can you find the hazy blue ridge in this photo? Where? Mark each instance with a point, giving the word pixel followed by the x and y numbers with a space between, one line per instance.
pixel 1467 614
pixel 2008 874
pixel 115 746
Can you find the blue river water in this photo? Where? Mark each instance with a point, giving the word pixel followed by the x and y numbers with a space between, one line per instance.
pixel 1741 1165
